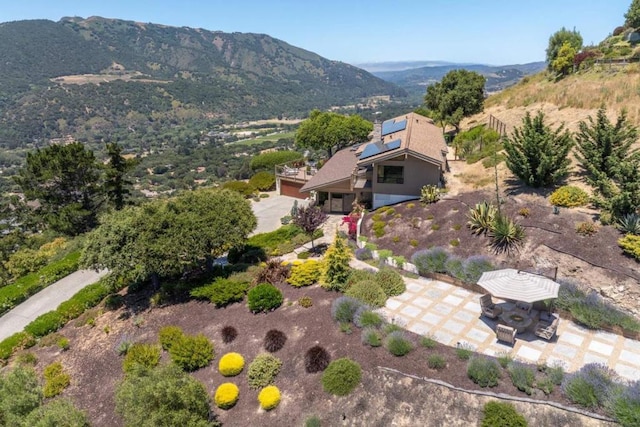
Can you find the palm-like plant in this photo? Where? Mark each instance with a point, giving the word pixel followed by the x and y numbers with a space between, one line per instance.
pixel 630 224
pixel 506 234
pixel 481 217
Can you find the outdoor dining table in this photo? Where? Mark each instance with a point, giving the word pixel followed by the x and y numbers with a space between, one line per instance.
pixel 517 319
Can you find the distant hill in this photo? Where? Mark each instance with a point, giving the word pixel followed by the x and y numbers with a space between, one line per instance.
pixel 91 77
pixel 415 80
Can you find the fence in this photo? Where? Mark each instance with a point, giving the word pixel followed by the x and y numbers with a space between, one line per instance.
pixel 497 125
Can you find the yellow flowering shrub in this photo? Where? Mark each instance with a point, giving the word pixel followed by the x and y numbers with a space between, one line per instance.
pixel 305 274
pixel 569 197
pixel 269 397
pixel 231 364
pixel 226 395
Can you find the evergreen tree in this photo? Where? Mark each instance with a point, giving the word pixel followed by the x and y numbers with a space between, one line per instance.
pixel 336 268
pixel 64 180
pixel 116 183
pixel 558 39
pixel 537 154
pixel 632 17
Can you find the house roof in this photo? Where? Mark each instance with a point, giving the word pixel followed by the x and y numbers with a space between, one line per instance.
pixel 411 134
pixel 338 168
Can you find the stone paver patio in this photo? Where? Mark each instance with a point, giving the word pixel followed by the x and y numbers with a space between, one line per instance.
pixel 451 315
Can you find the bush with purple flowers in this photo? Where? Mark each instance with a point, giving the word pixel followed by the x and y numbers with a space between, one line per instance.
pixel 474 266
pixel 590 386
pixel 624 404
pixel 430 260
pixel 363 254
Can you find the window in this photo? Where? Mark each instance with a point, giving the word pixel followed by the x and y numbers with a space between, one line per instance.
pixel 390 174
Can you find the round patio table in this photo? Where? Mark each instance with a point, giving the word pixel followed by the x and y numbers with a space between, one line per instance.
pixel 518 320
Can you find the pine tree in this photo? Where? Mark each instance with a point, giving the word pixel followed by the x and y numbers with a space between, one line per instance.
pixel 336 268
pixel 537 154
pixel 116 184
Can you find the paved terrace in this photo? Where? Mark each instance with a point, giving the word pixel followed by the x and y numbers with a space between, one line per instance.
pixel 451 315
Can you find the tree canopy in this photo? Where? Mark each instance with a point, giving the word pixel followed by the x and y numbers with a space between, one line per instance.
pixel 64 179
pixel 331 131
pixel 165 238
pixel 116 184
pixel 605 151
pixel 632 17
pixel 459 94
pixel 563 63
pixel 537 154
pixel 558 39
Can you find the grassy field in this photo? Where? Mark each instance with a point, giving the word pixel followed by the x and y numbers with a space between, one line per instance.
pixel 265 138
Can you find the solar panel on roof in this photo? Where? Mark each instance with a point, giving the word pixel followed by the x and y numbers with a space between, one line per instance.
pixel 375 148
pixel 391 126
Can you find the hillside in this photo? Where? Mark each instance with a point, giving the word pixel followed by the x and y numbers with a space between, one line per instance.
pixel 414 80
pixel 155 76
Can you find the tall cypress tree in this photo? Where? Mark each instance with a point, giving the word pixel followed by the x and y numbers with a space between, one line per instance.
pixel 116 184
pixel 537 154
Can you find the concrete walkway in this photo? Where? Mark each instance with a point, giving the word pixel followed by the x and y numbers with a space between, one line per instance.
pixel 269 210
pixel 46 300
pixel 451 315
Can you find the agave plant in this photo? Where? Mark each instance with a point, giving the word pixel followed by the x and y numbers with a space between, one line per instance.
pixel 630 224
pixel 481 217
pixel 429 194
pixel 506 234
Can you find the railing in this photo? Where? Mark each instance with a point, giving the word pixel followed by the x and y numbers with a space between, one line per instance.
pixel 497 125
pixel 293 172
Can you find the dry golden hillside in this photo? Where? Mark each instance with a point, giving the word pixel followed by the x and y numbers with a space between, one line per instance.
pixel 569 100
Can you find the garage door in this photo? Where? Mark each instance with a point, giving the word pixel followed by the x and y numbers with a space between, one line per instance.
pixel 292 189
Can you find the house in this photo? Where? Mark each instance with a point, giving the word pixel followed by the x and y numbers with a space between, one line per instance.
pixel 408 152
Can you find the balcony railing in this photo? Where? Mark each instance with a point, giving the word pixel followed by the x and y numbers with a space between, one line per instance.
pixel 295 173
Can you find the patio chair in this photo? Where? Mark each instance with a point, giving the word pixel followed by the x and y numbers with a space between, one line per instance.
pixel 506 334
pixel 547 330
pixel 489 309
pixel 524 306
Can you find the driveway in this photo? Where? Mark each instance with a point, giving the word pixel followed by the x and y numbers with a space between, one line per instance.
pixel 46 300
pixel 270 209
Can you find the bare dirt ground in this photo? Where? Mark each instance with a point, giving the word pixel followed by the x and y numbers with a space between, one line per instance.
pixel 384 398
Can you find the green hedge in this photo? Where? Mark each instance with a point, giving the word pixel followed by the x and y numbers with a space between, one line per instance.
pixel 45 324
pixel 26 286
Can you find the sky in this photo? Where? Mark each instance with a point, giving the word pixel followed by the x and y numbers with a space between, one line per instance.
pixel 497 32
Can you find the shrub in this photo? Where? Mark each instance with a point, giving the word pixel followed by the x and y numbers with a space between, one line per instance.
pixel 162 396
pixel 344 308
pixel 55 380
pixel 435 227
pixel 20 394
pixel 264 297
pixel 231 364
pixel 274 340
pixel 313 421
pixel 269 397
pixel 630 245
pixel 364 318
pixel 305 274
pixel 506 234
pixel 369 293
pixel 555 373
pixel 192 352
pixel 316 359
pixel 504 359
pixel 221 292
pixel 474 266
pixel 502 414
pixel 268 161
pixel 522 376
pixel 63 343
pixel 390 281
pixel 428 342
pixel 372 337
pixel 436 361
pixel 241 187
pixel 586 228
pixel 263 181
pixel 398 344
pixel 357 275
pixel 169 335
pixel 56 412
pixel 229 333
pixel 305 302
pixel 569 196
pixel 429 194
pixel 524 212
pixel 481 218
pixel 14 342
pixel 341 377
pixel 624 404
pixel 336 267
pixel 413 242
pixel 630 224
pixel 378 228
pixel 226 395
pixel 464 351
pixel 455 267
pixel 589 386
pixel 145 355
pixel 454 242
pixel 483 371
pixel 27 358
pixel 430 260
pixel 263 370
pixel 45 324
pixel 275 272
pixel 363 254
